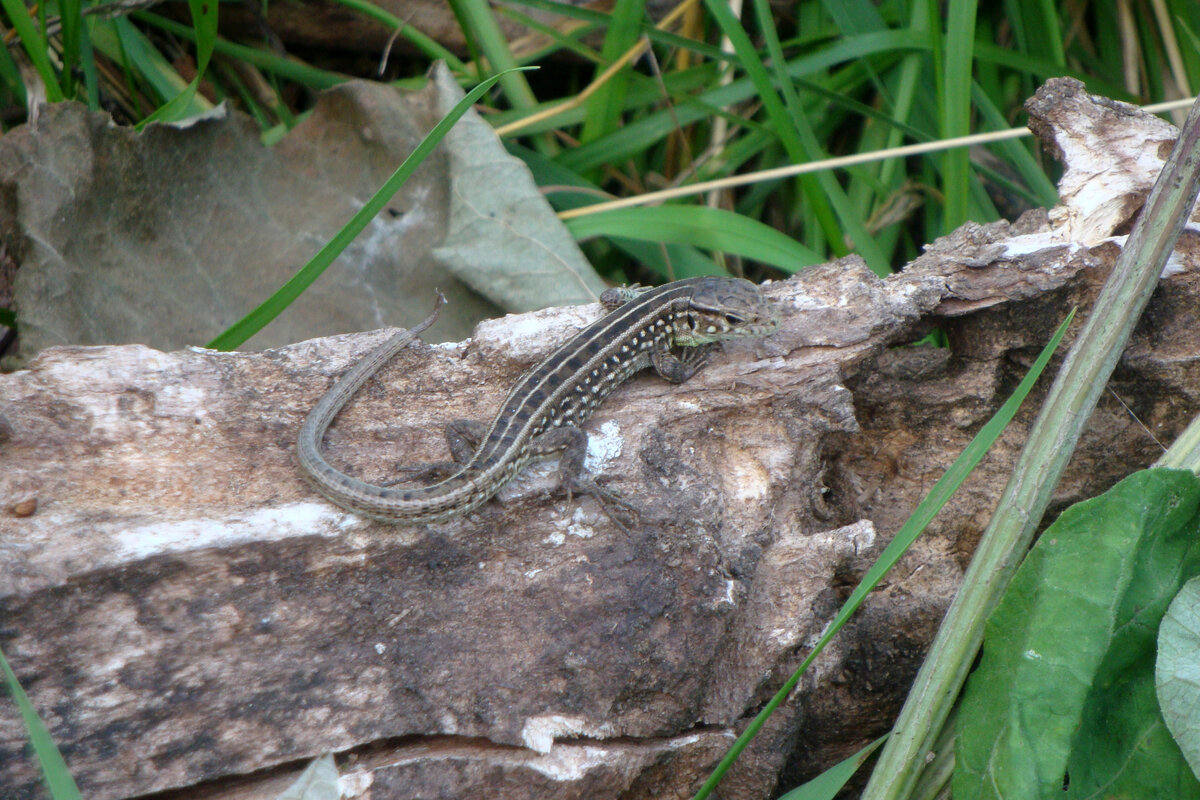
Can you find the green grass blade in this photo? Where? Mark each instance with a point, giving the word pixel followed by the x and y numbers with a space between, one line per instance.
pixel 605 107
pixel 270 62
pixel 10 76
pixel 419 40
pixel 955 110
pixel 72 23
pixel 671 261
pixel 634 137
pixel 481 22
pixel 557 41
pixel 54 769
pixel 35 46
pixel 603 20
pixel 826 184
pixel 273 306
pixel 709 228
pixel 826 785
pixel 87 62
pixel 1036 23
pixel 129 45
pixel 908 533
pixel 780 121
pixel 1016 154
pixel 204 23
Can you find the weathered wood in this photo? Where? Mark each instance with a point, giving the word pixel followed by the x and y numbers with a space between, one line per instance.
pixel 186 614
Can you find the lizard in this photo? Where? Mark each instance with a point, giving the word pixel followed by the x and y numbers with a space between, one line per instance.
pixel 670 328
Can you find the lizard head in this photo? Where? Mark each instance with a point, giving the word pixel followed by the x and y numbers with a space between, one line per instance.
pixel 727 308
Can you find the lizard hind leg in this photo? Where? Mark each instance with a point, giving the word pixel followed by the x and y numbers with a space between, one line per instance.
pixel 570 443
pixel 462 437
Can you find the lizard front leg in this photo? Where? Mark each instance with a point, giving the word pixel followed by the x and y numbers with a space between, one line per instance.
pixel 678 367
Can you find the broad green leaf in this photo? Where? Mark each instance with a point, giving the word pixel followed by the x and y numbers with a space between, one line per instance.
pixel 709 228
pixel 1123 748
pixel 1067 642
pixel 1177 671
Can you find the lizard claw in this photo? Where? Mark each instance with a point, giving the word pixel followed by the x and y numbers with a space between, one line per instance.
pixel 607 499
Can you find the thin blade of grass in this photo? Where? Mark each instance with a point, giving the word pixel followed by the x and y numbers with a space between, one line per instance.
pixel 54 769
pixel 818 202
pixel 121 41
pixel 941 492
pixel 556 41
pixel 72 22
pixel 35 46
pixel 671 261
pixel 709 228
pixel 270 62
pixel 805 141
pixel 10 76
pixel 404 28
pixel 87 63
pixel 204 23
pixel 1016 154
pixel 826 785
pixel 955 110
pixel 634 137
pixel 657 36
pixel 603 113
pixel 274 305
pixel 482 24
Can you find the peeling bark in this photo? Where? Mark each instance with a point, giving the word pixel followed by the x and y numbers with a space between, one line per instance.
pixel 188 616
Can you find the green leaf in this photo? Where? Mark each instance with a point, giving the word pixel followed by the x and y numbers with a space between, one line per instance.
pixel 1123 748
pixel 54 769
pixel 1177 671
pixel 710 228
pixel 1071 641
